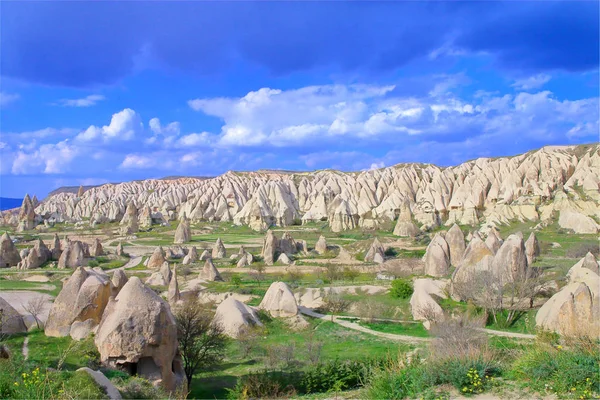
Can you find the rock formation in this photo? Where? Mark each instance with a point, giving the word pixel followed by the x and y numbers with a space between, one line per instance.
pixel 235 317
pixel 161 277
pixel 73 255
pixel 173 295
pixel 37 256
pixel 26 217
pixel 119 251
pixel 96 250
pixel 376 252
pixel 284 259
pixel 157 259
pixel 437 257
pixel 575 309
pixel 510 262
pixel 83 297
pixel 145 217
pixel 205 255
pixel 456 244
pixel 119 279
pixel 270 245
pixel 493 241
pixel 577 222
pixel 129 223
pixel 423 305
pixel 191 257
pixel 218 250
pixel 138 333
pixel 9 255
pixel 530 187
pixel 532 248
pixel 405 227
pixel 321 245
pixel 475 251
pixel 279 301
pixel 183 234
pixel 56 249
pixel 11 321
pixel 210 272
pixel 287 244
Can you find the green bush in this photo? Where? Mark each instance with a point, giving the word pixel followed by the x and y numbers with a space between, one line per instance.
pixel 331 376
pixel 21 381
pixel 139 388
pixel 401 289
pixel 93 263
pixel 419 380
pixel 564 372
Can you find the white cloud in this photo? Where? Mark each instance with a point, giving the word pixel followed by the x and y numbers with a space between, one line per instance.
pixel 172 129
pixel 87 101
pixel 124 125
pixel 532 82
pixel 48 159
pixel 323 114
pixel 135 161
pixel 7 98
pixel 194 140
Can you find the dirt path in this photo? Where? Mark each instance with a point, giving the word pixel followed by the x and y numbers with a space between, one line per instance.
pixel 359 328
pixel 134 262
pixel 402 338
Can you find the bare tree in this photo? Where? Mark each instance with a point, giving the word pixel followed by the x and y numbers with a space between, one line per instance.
pixel 258 273
pixel 201 342
pixel 35 307
pixel 335 304
pixel 332 272
pixel 504 301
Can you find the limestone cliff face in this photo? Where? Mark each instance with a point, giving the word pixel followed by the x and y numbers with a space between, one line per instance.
pixel 538 185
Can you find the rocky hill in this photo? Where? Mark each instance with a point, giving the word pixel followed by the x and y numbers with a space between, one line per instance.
pixel 535 186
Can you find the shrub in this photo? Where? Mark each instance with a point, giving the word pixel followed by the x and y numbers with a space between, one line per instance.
pixel 401 289
pixel 334 375
pixel 93 263
pixel 139 388
pixel 565 372
pixel 581 250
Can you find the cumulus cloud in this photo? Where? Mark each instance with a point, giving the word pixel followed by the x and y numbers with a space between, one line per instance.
pixel 87 101
pixel 47 159
pixel 7 98
pixel 323 114
pixel 532 82
pixel 138 162
pixel 124 125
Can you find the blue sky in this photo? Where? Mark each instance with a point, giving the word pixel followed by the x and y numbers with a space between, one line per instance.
pixel 113 91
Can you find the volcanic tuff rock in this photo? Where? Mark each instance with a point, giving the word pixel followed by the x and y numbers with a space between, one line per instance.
pixel 210 272
pixel 56 249
pixel 321 245
pixel 279 301
pixel 376 252
pixel 575 309
pixel 83 297
pixel 423 305
pixel 191 257
pixel 526 187
pixel 96 249
pixel 532 248
pixel 26 217
pixel 138 333
pixel 9 255
pixel 270 245
pixel 456 244
pixel 73 254
pixel 129 222
pixel 183 234
pixel 157 258
pixel 218 250
pixel 437 257
pixel 11 321
pixel 405 227
pixel 235 317
pixel 173 295
pixel 36 257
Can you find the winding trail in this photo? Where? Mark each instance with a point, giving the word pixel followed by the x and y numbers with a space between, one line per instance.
pixel 134 262
pixel 401 338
